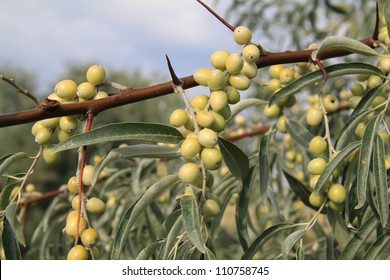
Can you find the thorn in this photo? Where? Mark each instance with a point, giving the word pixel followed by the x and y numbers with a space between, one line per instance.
pixel 216 15
pixel 323 70
pixel 374 35
pixel 176 81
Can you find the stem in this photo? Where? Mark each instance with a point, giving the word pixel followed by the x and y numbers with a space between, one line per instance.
pixel 19 88
pixel 327 130
pixel 216 15
pixel 113 85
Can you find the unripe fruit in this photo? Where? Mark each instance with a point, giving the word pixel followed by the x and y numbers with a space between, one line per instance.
pixel 202 75
pixel 281 124
pixel 89 237
pixel 199 101
pixel 72 185
pixel 50 123
pixel 68 124
pixel 87 174
pixel 251 53
pixel 226 112
pixel 354 101
pixel 272 111
pixel 190 122
pixel 210 208
pixel 86 90
pixel 217 80
pixel 239 81
pixel 378 100
pixel 100 95
pixel 275 70
pixel 242 35
pixel 338 207
pixel 219 123
pixel 43 136
pixel 30 188
pixel 374 81
pixel 72 214
pixel 357 89
pixel 190 148
pixel 232 94
pixel 204 118
pixel 36 127
pixel 249 69
pixel 179 117
pixel 286 76
pixel 362 77
pixel 71 226
pixel 96 74
pixel 212 158
pixel 317 145
pixel 189 173
pixel 218 59
pixel 75 202
pixel 359 130
pixel 78 252
pixel 207 138
pixel 218 100
pixel 63 135
pixel 66 89
pixel 316 166
pixel 314 116
pixel 55 97
pixel 234 63
pixel 274 84
pixel 240 120
pixel 331 103
pixel 337 193
pixel 313 181
pixel 317 199
pixel 95 205
pixel 48 156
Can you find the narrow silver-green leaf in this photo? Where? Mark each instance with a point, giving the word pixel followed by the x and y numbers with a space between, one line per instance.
pixel 264 165
pixel 367 99
pixel 335 162
pixel 317 76
pixel 191 222
pixel 380 176
pixel 134 211
pixel 346 44
pixel 289 242
pixel 349 253
pixel 365 160
pixel 10 245
pixel 209 255
pixel 235 159
pixel 245 103
pixel 340 231
pixel 148 251
pixel 5 195
pixel 170 239
pixel 375 250
pixel 134 151
pixel 150 132
pixel 264 237
pixel 299 133
pixel 10 213
pixel 10 159
pixel 386 13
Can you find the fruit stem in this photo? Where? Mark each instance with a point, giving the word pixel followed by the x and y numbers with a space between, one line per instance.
pixel 326 123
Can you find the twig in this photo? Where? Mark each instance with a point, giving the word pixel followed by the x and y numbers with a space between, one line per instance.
pixel 216 15
pixel 19 88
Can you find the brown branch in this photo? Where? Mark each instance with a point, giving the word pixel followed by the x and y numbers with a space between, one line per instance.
pixel 42 197
pixel 19 88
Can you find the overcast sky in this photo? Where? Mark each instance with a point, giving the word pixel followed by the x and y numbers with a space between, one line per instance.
pixel 43 36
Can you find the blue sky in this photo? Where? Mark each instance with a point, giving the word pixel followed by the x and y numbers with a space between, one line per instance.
pixel 43 36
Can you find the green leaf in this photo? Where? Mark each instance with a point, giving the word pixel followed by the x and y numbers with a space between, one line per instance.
pixel 289 242
pixel 135 151
pixel 359 238
pixel 365 160
pixel 317 76
pixel 148 251
pixel 380 176
pixel 235 159
pixel 339 229
pixel 299 133
pixel 264 165
pixel 209 255
pixel 10 213
pixel 264 237
pixel 10 245
pixel 134 211
pixel 300 254
pixel 386 13
pixel 375 250
pixel 245 103
pixel 5 195
pixel 346 44
pixel 10 159
pixel 336 161
pixel 149 132
pixel 171 238
pixel 367 99
pixel 191 222
pixel 242 209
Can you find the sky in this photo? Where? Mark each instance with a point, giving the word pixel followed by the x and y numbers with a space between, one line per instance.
pixel 44 36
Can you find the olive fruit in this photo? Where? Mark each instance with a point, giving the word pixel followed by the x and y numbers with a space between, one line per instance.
pixel 179 117
pixel 212 158
pixel 207 138
pixel 89 237
pixel 210 208
pixel 316 166
pixel 242 35
pixel 66 89
pixel 317 145
pixel 95 205
pixel 96 74
pixel 77 252
pixel 87 174
pixel 218 59
pixel 190 148
pixel 337 193
pixel 317 199
pixel 189 173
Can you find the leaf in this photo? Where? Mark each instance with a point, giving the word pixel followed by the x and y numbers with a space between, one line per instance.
pixel 5 195
pixel 264 165
pixel 10 245
pixel 367 99
pixel 148 251
pixel 235 159
pixel 134 151
pixel 134 211
pixel 264 237
pixel 10 213
pixel 10 159
pixel 299 133
pixel 380 176
pixel 149 132
pixel 317 76
pixel 191 222
pixel 377 247
pixel 242 209
pixel 171 237
pixel 346 44
pixel 365 160
pixel 245 103
pixel 289 242
pixel 359 238
pixel 336 161
pixel 339 229
pixel 386 13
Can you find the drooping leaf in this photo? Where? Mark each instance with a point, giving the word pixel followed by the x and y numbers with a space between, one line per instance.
pixel 380 176
pixel 149 132
pixel 346 44
pixel 299 133
pixel 245 103
pixel 359 238
pixel 365 160
pixel 134 211
pixel 317 76
pixel 10 159
pixel 191 222
pixel 289 242
pixel 10 245
pixel 170 239
pixel 148 251
pixel 264 237
pixel 235 159
pixel 5 195
pixel 135 151
pixel 339 229
pixel 10 213
pixel 264 165
pixel 374 252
